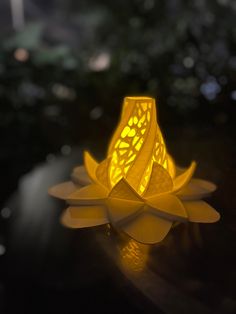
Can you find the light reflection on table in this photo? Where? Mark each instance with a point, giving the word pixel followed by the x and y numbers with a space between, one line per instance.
pixel 176 276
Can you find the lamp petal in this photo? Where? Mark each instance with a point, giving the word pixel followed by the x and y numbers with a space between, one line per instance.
pixel 90 165
pixel 120 209
pixel 179 170
pixel 196 189
pixel 84 216
pixel 147 228
pixel 183 179
pixel 122 190
pixel 89 195
pixel 102 172
pixel 62 190
pixel 171 166
pixel 80 176
pixel 160 181
pixel 200 211
pixel 168 206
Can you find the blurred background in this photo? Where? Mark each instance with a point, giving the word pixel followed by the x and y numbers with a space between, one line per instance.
pixel 66 65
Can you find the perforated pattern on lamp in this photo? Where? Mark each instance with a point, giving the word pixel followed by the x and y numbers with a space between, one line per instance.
pixel 130 140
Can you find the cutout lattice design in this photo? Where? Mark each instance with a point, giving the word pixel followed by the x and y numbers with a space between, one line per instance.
pixel 129 140
pixel 137 188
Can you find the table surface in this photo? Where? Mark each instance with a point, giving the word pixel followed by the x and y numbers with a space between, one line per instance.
pixel 52 269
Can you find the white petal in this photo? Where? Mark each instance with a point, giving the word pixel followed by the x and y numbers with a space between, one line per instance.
pixel 122 190
pixel 196 189
pixel 80 176
pixel 168 206
pixel 184 178
pixel 62 190
pixel 102 172
pixel 179 170
pixel 84 216
pixel 89 195
pixel 171 166
pixel 160 181
pixel 120 209
pixel 200 211
pixel 91 166
pixel 147 228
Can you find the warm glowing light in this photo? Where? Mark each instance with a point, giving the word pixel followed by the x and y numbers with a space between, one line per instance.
pixel 21 55
pixel 137 141
pixel 134 256
pixel 137 188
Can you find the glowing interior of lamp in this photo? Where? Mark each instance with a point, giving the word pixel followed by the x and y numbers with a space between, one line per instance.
pixel 137 142
pixel 137 162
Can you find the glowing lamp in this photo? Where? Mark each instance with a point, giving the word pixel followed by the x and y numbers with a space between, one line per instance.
pixel 137 188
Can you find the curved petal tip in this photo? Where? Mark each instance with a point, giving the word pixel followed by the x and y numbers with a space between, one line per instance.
pixel 62 190
pixel 80 176
pixel 200 211
pixel 196 189
pixel 84 216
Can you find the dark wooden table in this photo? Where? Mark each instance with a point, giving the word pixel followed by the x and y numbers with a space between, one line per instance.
pixel 51 269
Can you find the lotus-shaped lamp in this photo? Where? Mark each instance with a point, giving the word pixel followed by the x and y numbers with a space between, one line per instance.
pixel 138 189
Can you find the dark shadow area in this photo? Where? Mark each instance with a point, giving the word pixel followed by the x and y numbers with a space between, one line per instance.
pixel 65 67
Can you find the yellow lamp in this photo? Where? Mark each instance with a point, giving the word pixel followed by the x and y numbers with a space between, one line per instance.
pixel 137 188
